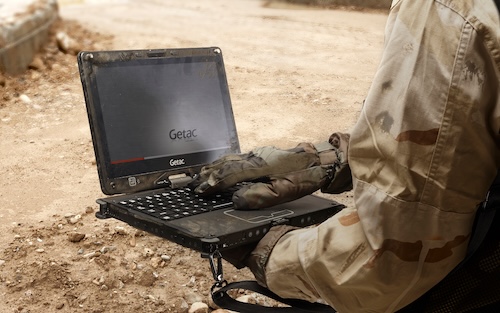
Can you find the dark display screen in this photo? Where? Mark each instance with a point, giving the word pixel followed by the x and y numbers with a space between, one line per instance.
pixel 163 113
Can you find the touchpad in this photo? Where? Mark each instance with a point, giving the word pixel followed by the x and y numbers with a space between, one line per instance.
pixel 253 216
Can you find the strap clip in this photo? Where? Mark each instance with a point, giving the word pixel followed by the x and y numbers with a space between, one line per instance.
pixel 215 259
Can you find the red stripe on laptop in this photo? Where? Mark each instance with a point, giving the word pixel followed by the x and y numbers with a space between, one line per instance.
pixel 127 160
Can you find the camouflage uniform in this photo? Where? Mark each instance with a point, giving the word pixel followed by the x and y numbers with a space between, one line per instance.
pixel 423 154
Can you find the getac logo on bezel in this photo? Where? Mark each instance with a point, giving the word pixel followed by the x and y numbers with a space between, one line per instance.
pixel 188 134
pixel 177 162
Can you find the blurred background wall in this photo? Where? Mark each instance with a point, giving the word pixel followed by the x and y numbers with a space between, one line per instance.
pixel 372 4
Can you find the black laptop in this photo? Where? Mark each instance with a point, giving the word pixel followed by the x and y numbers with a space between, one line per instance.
pixel 157 117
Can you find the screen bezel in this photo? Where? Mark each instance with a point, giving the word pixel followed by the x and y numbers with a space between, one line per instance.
pixel 129 177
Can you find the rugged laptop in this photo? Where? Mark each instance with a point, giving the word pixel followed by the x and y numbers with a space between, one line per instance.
pixel 158 116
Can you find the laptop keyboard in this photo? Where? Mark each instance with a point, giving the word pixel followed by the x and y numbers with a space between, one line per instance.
pixel 174 204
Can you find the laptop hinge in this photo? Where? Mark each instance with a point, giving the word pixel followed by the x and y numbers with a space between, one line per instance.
pixel 103 212
pixel 180 180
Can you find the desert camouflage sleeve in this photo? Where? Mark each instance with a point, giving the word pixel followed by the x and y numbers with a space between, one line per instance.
pixel 423 154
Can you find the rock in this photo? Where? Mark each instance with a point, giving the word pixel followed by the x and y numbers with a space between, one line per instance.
pixel 180 305
pixel 37 64
pixel 200 273
pixel 67 44
pixel 132 242
pixel 35 75
pixel 193 297
pixel 191 282
pixel 247 299
pixel 75 237
pixel 25 99
pixel 74 219
pixel 147 253
pixel 99 281
pixel 120 230
pixel 107 249
pixel 155 262
pixel 198 307
pixel 146 278
pixel 91 255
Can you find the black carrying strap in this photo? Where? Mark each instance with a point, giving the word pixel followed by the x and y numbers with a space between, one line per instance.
pixel 223 300
pixel 473 285
pixel 484 218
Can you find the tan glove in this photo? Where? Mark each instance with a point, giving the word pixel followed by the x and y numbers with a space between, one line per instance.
pixel 280 176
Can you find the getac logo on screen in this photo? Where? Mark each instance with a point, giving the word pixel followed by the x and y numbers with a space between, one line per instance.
pixel 182 134
pixel 177 162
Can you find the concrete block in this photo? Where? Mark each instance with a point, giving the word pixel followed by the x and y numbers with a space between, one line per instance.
pixel 24 30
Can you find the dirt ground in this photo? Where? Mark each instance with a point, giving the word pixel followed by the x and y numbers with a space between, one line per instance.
pixel 295 74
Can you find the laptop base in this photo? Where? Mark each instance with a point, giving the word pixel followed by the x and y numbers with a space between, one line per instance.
pixel 200 233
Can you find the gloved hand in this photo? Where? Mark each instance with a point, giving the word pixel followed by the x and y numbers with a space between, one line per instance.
pixel 280 176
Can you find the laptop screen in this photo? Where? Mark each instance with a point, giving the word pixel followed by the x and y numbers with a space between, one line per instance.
pixel 160 113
